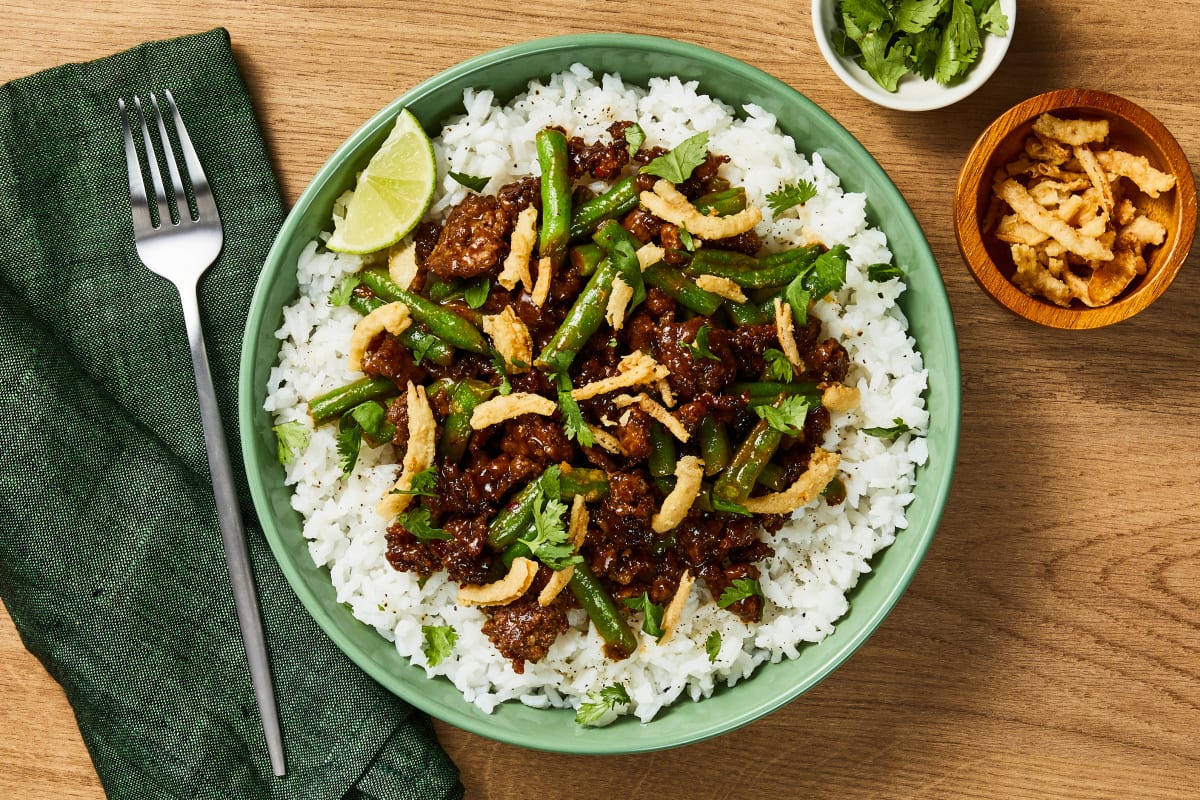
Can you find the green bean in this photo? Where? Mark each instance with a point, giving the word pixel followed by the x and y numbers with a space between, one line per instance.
pixel 456 430
pixel 714 446
pixel 621 197
pixel 334 403
pixel 762 392
pixel 777 269
pixel 602 611
pixel 661 462
pixel 774 477
pixel 420 341
pixel 749 313
pixel 682 289
pixel 584 319
pixel 724 202
pixel 507 526
pixel 444 324
pixel 734 484
pixel 551 146
pixel 439 290
pixel 586 257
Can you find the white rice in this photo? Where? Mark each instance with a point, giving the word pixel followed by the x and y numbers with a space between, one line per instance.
pixel 819 556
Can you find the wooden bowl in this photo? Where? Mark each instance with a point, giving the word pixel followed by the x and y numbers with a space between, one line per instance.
pixel 1131 128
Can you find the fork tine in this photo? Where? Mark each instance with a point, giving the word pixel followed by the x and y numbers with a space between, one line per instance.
pixel 206 207
pixel 137 182
pixel 181 201
pixel 160 192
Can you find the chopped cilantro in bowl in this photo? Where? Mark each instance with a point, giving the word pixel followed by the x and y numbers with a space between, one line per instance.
pixel 914 55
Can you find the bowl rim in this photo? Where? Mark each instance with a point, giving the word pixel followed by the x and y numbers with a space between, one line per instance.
pixel 753 704
pixel 932 96
pixel 974 172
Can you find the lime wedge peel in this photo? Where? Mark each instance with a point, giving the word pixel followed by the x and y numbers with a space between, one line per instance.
pixel 392 193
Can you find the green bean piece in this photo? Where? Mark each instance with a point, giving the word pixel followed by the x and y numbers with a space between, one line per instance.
pixel 586 257
pixel 586 481
pixel 602 611
pixel 766 392
pixel 621 197
pixel 714 446
pixel 551 146
pixel 734 484
pixel 456 430
pixel 661 462
pixel 750 313
pixel 439 290
pixel 777 269
pixel 584 319
pixel 332 404
pixel 445 324
pixel 773 477
pixel 682 289
pixel 723 203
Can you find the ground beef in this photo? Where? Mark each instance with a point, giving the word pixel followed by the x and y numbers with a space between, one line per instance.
pixel 524 630
pixel 473 241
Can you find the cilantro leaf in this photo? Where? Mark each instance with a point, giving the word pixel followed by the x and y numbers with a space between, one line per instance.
pixel 866 15
pixel 439 642
pixel 960 43
pixel 475 183
pixel 501 368
pixel 712 646
pixel 602 707
pixel 741 589
pixel 897 429
pixel 699 347
pixel 341 294
pixel 371 418
pixel 423 484
pixel 419 522
pixel 652 613
pixel 915 16
pixel 882 273
pixel 549 541
pixel 634 138
pixel 778 366
pixel 828 272
pixel 476 294
pixel 349 442
pixel 993 20
pixel 677 164
pixel 573 422
pixel 291 438
pixel 887 63
pixel 790 196
pixel 788 416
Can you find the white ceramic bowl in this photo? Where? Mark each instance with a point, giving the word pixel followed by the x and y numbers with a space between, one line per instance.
pixel 913 93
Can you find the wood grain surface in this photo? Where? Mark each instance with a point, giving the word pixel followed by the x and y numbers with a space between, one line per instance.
pixel 1049 645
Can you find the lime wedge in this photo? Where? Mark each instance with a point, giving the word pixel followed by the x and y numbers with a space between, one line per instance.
pixel 392 193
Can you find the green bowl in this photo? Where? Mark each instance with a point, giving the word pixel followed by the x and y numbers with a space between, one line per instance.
pixel 636 58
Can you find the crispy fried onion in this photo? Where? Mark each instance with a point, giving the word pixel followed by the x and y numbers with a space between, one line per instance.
pixel 576 533
pixel 785 332
pixel 520 249
pixel 634 369
pixel 689 474
pixel 822 468
pixel 839 397
pixel 723 287
pixel 511 338
pixel 509 406
pixel 541 287
pixel 668 203
pixel 418 456
pixel 606 440
pixel 1032 212
pixel 1073 132
pixel 656 412
pixel 618 303
pixel 1137 169
pixel 392 318
pixel 648 255
pixel 402 263
pixel 504 591
pixel 674 609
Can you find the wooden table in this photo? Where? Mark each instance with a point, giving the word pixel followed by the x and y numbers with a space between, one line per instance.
pixel 1050 643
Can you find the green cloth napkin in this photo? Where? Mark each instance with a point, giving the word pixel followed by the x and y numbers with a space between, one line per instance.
pixel 111 562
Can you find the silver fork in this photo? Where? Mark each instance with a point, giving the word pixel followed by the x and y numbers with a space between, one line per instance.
pixel 181 249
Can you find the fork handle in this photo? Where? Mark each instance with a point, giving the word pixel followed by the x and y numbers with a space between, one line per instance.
pixel 232 533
